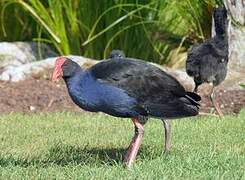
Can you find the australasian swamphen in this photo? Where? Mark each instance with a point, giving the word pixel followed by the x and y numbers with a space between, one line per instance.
pixel 207 62
pixel 127 88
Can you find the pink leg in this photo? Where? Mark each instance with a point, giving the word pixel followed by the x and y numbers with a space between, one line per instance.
pixel 135 143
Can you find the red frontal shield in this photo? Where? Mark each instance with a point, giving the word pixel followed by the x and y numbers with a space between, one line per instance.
pixel 57 68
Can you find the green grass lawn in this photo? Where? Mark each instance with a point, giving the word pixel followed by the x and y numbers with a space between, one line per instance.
pixel 90 146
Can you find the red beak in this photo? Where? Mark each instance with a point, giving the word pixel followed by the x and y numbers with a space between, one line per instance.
pixel 58 68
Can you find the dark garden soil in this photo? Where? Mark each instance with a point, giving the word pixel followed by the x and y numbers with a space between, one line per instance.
pixel 41 95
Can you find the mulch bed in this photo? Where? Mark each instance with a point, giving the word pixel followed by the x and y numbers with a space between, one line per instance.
pixel 41 95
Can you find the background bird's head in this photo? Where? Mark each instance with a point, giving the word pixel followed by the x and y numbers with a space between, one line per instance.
pixel 116 54
pixel 220 20
pixel 65 68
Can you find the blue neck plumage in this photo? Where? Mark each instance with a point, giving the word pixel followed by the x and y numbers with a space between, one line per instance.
pixel 77 80
pixel 80 88
pixel 75 85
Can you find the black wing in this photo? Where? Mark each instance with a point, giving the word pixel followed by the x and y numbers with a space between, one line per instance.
pixel 143 81
pixel 158 93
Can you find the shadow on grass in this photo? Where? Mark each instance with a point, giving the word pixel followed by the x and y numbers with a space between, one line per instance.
pixel 63 155
pixel 66 155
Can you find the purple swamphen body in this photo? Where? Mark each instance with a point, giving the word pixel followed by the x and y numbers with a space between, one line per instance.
pixel 127 88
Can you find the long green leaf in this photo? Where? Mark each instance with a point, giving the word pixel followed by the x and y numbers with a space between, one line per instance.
pixel 31 10
pixel 112 25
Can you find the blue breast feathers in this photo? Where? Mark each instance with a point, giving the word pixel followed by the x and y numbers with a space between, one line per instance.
pixel 94 96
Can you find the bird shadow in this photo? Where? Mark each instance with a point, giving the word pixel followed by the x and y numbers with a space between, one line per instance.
pixel 67 154
pixel 64 155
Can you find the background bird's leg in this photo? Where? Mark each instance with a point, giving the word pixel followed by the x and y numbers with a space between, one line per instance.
pixel 196 87
pixel 135 143
pixel 167 131
pixel 216 106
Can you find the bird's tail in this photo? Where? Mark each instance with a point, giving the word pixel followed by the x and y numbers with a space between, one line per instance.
pixel 193 98
pixel 178 108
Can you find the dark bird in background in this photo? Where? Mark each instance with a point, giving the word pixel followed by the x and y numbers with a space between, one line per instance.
pixel 207 62
pixel 116 53
pixel 127 88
